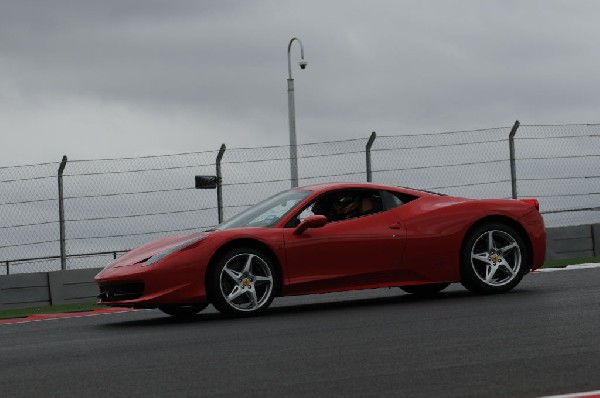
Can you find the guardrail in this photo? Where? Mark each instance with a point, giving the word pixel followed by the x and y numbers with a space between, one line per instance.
pixel 7 263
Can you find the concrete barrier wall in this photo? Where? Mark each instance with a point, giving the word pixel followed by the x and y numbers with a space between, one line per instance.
pixel 77 286
pixel 24 290
pixel 48 288
pixel 573 242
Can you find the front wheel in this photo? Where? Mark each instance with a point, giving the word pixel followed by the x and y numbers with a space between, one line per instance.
pixel 182 311
pixel 494 259
pixel 242 282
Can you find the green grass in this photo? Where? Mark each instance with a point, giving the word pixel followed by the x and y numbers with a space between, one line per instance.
pixel 570 261
pixel 52 309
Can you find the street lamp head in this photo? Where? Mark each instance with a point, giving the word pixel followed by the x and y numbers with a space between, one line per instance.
pixel 302 62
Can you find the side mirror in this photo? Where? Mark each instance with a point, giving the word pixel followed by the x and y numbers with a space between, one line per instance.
pixel 316 221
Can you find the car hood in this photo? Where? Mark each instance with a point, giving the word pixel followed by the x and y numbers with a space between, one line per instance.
pixel 148 250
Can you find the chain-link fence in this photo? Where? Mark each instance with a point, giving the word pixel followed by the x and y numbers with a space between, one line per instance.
pixel 113 205
pixel 559 165
pixel 28 216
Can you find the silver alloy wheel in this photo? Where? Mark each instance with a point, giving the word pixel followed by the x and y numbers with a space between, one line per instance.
pixel 496 258
pixel 246 282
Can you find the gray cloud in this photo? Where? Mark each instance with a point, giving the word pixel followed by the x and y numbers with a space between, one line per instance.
pixel 124 78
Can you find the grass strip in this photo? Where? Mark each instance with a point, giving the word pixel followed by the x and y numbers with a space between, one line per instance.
pixel 52 309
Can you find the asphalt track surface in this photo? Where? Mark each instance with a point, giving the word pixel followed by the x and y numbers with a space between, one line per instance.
pixel 543 338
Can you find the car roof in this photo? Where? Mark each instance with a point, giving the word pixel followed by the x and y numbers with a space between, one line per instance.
pixel 321 188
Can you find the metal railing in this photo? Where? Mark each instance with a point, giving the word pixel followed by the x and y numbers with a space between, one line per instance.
pixel 7 263
pixel 101 204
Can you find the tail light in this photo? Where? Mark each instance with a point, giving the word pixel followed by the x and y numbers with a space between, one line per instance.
pixel 533 202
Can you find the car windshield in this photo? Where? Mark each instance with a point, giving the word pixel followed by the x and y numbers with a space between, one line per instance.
pixel 268 212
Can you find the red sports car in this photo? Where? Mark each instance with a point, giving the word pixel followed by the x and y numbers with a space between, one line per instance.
pixel 333 237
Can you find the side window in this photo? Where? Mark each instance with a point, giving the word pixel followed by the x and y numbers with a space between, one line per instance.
pixel 307 212
pixel 395 199
pixel 343 205
pixel 349 203
pixel 370 202
pixel 303 215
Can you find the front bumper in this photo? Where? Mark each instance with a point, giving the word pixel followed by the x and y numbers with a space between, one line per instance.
pixel 173 280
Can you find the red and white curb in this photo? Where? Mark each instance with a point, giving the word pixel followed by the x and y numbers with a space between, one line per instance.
pixel 54 317
pixel 591 394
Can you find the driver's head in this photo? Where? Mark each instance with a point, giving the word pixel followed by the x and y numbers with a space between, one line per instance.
pixel 320 207
pixel 345 205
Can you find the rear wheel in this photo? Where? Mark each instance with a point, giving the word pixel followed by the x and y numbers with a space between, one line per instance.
pixel 182 311
pixel 494 259
pixel 242 282
pixel 425 290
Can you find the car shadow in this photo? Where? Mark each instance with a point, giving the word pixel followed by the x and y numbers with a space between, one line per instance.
pixel 296 309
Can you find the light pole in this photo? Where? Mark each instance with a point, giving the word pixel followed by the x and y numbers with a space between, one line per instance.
pixel 292 113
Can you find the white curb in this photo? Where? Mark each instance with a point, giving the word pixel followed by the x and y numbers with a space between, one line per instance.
pixel 590 394
pixel 570 267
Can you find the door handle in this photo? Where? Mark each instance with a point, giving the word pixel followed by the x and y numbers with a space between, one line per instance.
pixel 395 226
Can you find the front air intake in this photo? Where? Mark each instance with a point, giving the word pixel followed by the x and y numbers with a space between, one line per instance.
pixel 120 292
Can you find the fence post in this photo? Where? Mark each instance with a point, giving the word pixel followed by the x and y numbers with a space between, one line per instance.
pixel 219 185
pixel 595 239
pixel 368 154
pixel 7 268
pixel 513 166
pixel 61 214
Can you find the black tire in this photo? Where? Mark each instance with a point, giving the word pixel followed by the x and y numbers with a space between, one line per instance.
pixel 182 311
pixel 425 290
pixel 494 267
pixel 242 282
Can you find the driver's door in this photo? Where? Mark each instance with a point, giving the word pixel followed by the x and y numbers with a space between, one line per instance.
pixel 362 252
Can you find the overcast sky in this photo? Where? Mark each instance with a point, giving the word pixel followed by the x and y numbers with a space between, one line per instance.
pixel 104 79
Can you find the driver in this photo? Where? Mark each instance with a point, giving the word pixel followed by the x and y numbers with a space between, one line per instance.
pixel 346 207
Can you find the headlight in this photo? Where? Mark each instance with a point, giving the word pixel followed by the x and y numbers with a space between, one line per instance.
pixel 171 250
